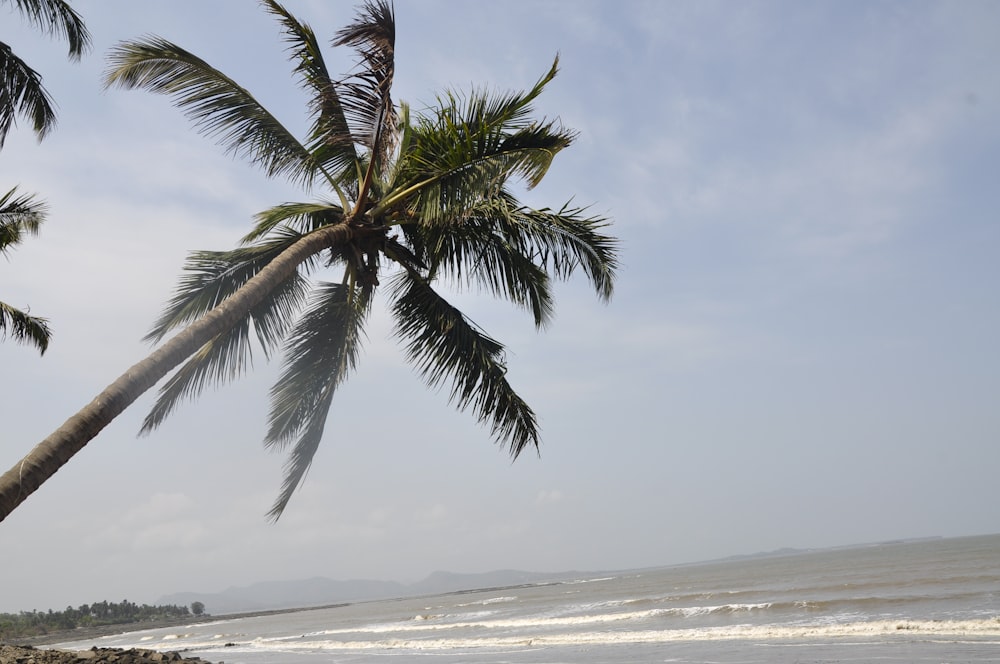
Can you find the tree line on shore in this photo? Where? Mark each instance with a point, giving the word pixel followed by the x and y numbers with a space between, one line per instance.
pixel 36 623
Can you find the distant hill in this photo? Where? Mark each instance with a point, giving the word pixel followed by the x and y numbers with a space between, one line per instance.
pixel 321 591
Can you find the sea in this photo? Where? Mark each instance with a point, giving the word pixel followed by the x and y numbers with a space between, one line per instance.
pixel 930 600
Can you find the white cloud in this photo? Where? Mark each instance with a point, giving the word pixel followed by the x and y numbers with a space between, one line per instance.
pixel 431 515
pixel 163 523
pixel 549 497
pixel 507 530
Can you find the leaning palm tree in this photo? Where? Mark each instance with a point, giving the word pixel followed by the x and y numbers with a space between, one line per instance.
pixel 412 200
pixel 21 216
pixel 21 89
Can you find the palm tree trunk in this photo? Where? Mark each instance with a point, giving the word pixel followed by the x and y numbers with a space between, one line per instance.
pixel 49 455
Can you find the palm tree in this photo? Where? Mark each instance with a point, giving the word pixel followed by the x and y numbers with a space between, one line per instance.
pixel 21 90
pixel 20 216
pixel 414 199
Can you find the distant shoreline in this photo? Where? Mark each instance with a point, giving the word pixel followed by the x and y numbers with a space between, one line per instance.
pixel 100 631
pixel 92 634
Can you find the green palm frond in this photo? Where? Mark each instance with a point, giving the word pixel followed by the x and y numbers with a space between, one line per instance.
pixel 558 242
pixel 216 105
pixel 212 276
pixel 567 239
pixel 330 138
pixel 24 328
pixel 322 348
pixel 19 216
pixel 488 251
pixel 501 124
pixel 396 173
pixel 512 251
pixel 57 17
pixel 301 217
pixel 445 180
pixel 22 93
pixel 442 344
pixel 468 149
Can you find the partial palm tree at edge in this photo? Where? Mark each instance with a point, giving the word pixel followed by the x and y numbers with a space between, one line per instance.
pixel 22 93
pixel 414 199
pixel 21 89
pixel 20 216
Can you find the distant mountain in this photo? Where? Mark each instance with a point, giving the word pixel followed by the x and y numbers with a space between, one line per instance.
pixel 320 591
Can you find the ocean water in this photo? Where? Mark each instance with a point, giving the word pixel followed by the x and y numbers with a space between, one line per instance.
pixel 918 601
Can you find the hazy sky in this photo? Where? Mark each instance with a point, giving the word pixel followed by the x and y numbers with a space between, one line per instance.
pixel 802 349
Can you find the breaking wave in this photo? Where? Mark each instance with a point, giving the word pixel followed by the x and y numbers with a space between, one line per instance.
pixel 970 629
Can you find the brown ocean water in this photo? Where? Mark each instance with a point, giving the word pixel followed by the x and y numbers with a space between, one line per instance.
pixel 935 600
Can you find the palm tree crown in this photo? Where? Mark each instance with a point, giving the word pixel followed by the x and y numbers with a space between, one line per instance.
pixel 416 198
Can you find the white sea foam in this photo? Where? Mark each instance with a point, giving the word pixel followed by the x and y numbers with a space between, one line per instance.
pixel 691 611
pixel 579 581
pixel 887 629
pixel 487 621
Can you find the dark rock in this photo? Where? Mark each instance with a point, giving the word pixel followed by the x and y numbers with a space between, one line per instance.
pixel 10 654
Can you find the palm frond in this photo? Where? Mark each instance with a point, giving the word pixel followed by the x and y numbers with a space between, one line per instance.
pixel 22 93
pixel 24 328
pixel 322 348
pixel 216 104
pixel 556 241
pixel 404 142
pixel 19 216
pixel 486 250
pixel 212 276
pixel 57 17
pixel 222 359
pixel 468 148
pixel 502 123
pixel 228 355
pixel 566 239
pixel 400 253
pixel 301 217
pixel 366 95
pixel 330 139
pixel 443 344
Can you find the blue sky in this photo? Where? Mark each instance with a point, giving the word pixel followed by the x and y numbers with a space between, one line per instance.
pixel 801 350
